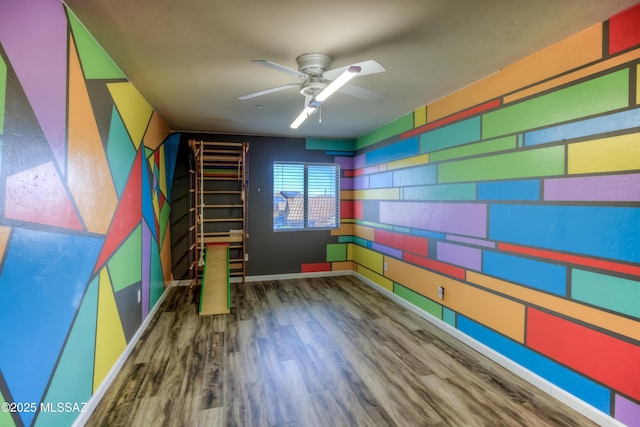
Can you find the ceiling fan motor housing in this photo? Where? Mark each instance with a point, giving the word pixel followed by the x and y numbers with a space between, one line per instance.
pixel 314 64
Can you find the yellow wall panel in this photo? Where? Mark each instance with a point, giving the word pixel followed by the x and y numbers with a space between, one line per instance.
pixel 411 161
pixel 376 278
pixel 498 313
pixel 608 321
pixel 420 116
pixel 110 339
pixel 571 77
pixel 366 257
pixel 571 53
pixel 617 153
pixel 133 108
pixel 4 238
pixel 378 194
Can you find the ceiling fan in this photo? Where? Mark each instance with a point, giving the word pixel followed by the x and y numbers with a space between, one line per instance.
pixel 320 81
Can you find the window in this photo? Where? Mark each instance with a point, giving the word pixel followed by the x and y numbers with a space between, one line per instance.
pixel 306 196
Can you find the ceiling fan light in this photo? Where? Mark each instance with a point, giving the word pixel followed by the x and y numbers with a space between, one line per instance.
pixel 309 110
pixel 340 81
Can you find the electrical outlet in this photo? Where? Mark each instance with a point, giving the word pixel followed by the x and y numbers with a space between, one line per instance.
pixel 246 257
pixel 139 296
pixel 441 292
pixel 386 266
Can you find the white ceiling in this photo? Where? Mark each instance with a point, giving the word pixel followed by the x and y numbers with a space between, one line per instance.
pixel 191 58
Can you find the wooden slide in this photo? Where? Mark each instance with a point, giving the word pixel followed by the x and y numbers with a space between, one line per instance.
pixel 214 293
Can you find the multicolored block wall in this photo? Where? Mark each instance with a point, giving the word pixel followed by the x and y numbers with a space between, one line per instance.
pixel 85 174
pixel 520 196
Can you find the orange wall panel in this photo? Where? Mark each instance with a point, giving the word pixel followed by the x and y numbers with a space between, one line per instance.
pixel 573 52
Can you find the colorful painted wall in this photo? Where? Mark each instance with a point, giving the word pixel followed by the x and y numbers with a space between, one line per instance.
pixel 85 173
pixel 520 195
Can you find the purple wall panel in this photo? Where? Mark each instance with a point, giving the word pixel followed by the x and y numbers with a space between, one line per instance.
pixel 34 36
pixel 627 411
pixel 347 183
pixel 606 188
pixel 397 253
pixel 358 162
pixel 463 256
pixel 345 162
pixel 360 182
pixel 468 219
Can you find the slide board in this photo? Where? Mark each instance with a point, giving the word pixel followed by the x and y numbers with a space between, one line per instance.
pixel 214 294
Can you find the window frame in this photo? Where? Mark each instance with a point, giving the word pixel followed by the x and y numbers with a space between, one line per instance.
pixel 305 192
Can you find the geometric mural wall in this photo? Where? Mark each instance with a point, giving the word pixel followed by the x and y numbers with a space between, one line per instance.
pixel 520 195
pixel 86 167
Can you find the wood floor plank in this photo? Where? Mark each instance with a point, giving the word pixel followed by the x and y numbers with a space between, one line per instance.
pixel 310 352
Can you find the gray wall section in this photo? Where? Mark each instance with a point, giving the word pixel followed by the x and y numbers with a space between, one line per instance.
pixel 181 237
pixel 269 252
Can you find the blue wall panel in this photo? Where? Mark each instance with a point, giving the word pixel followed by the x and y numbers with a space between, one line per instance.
pixel 397 151
pixel 608 232
pixel 509 190
pixel 599 125
pixel 536 274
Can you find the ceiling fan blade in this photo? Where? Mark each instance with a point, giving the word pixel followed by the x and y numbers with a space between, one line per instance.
pixel 266 91
pixel 280 68
pixel 367 67
pixel 362 93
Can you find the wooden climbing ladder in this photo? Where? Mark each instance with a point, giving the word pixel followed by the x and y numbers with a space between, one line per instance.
pixel 220 202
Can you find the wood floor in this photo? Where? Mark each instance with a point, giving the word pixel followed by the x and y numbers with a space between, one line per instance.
pixel 313 352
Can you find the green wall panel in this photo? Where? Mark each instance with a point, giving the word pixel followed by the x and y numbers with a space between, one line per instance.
pixel 419 175
pixel 490 146
pixel 594 96
pixel 125 265
pixel 360 241
pixel 524 164
pixel 440 192
pixel 609 292
pixel 396 127
pixel 336 252
pixel 5 416
pixel 418 300
pixel 451 135
pixel 330 144
pixel 449 316
pixel 96 64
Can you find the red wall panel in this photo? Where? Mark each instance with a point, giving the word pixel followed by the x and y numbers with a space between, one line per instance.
pixel 602 357
pixel 418 245
pixel 624 30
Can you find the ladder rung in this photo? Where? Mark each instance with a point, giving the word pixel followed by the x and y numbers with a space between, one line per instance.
pixel 222 192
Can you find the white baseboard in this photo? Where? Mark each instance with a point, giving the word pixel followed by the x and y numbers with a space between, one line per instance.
pixel 289 276
pixel 532 378
pixel 115 369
